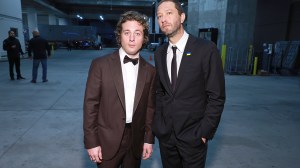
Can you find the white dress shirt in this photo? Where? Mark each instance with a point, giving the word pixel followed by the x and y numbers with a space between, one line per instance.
pixel 179 52
pixel 129 73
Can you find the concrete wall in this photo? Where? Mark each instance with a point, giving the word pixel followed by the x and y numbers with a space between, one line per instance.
pixel 271 21
pixel 207 14
pixel 32 22
pixel 10 19
pixel 294 33
pixel 234 19
pixel 63 21
pixel 240 19
pixel 43 19
pixel 277 22
pixel 52 20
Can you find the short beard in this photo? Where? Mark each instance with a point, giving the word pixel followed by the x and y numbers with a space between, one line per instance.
pixel 172 34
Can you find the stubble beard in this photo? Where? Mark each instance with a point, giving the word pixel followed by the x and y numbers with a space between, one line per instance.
pixel 173 33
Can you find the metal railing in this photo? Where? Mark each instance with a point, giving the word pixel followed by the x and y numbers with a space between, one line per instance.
pixel 239 61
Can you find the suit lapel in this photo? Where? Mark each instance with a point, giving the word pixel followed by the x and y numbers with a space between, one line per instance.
pixel 141 79
pixel 185 59
pixel 165 76
pixel 115 65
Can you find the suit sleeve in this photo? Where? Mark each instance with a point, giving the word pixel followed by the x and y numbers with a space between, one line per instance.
pixel 48 48
pixel 91 106
pixel 5 47
pixel 215 91
pixel 30 48
pixel 159 89
pixel 149 137
pixel 20 48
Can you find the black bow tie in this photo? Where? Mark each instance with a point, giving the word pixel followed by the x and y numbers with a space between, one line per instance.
pixel 133 60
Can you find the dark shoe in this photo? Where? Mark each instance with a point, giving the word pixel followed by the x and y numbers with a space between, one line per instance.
pixel 19 78
pixel 45 80
pixel 33 81
pixel 12 78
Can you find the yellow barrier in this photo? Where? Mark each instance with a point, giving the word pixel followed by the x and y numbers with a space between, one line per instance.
pixel 223 54
pixel 255 66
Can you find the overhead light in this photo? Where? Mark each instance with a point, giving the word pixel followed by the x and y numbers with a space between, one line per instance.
pixel 79 17
pixel 101 17
pixel 182 4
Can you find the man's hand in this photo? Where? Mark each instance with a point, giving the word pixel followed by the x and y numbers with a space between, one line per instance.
pixel 204 140
pixel 147 150
pixel 95 154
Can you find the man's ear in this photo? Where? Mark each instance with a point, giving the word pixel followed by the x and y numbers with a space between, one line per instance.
pixel 182 18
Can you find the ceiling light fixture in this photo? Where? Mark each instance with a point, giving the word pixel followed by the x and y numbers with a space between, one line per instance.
pixel 101 17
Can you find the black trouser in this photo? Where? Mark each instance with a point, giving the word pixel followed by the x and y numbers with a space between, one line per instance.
pixel 175 154
pixel 14 61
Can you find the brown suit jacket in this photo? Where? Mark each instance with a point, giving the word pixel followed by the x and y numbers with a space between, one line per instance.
pixel 104 106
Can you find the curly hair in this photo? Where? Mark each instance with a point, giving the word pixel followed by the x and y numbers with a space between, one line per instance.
pixel 132 16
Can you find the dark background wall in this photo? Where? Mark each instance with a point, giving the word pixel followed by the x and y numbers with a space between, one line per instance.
pixel 276 20
pixel 294 27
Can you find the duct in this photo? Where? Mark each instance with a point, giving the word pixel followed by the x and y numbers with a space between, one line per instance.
pixel 50 7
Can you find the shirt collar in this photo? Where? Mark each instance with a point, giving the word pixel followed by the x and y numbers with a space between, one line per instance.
pixel 122 53
pixel 181 43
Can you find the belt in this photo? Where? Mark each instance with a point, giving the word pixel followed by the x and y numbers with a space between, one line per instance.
pixel 128 125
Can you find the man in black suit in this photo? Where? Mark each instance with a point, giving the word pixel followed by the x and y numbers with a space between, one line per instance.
pixel 190 92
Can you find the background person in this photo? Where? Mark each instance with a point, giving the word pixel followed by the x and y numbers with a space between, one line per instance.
pixel 41 51
pixel 13 47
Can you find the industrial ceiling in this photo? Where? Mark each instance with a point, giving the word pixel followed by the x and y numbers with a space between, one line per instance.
pixel 89 9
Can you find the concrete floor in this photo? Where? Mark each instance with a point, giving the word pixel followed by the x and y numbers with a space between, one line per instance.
pixel 41 124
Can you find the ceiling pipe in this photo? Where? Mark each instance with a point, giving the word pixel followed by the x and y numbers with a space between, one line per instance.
pixel 43 3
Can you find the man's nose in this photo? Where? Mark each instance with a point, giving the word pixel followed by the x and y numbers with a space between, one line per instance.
pixel 132 37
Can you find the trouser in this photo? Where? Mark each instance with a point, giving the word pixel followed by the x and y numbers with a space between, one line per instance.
pixel 36 63
pixel 125 157
pixel 14 61
pixel 175 154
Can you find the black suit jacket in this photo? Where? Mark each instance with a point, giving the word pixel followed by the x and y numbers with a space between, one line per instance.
pixel 104 106
pixel 39 46
pixel 12 52
pixel 194 109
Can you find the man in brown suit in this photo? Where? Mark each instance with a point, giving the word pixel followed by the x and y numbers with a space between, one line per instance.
pixel 119 100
